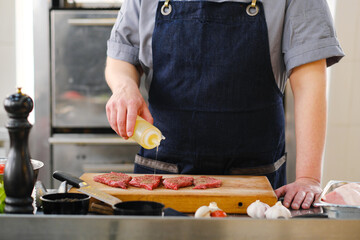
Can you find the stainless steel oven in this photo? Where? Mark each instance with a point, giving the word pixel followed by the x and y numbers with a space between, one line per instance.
pixel 78 53
pixel 86 152
pixel 81 138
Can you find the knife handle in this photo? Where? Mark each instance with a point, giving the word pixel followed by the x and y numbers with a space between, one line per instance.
pixel 72 180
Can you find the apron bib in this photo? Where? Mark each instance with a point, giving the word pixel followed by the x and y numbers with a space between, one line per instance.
pixel 213 93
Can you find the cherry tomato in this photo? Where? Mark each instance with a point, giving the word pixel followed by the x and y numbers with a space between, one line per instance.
pixel 2 166
pixel 218 213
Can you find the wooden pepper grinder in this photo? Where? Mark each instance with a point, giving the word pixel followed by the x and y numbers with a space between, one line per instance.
pixel 18 174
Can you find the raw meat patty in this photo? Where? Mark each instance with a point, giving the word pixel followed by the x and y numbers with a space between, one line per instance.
pixel 148 182
pixel 348 194
pixel 204 182
pixel 178 182
pixel 114 179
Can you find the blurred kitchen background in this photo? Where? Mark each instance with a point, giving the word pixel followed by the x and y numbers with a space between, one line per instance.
pixel 42 50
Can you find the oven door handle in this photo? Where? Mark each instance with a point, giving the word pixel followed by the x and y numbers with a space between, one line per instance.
pixel 92 21
pixel 121 167
pixel 92 141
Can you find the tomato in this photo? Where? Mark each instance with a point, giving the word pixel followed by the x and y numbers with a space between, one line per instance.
pixel 2 166
pixel 218 213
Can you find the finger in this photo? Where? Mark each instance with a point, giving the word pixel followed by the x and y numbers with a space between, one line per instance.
pixel 147 115
pixel 309 199
pixel 121 122
pixel 131 120
pixel 298 200
pixel 317 198
pixel 288 198
pixel 111 115
pixel 280 191
pixel 108 112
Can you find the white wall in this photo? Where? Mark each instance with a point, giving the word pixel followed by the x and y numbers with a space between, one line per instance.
pixel 7 54
pixel 342 152
pixel 24 43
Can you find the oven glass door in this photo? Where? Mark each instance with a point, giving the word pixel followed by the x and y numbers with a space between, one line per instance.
pixel 78 55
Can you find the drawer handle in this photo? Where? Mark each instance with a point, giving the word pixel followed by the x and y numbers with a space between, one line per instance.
pixel 92 141
pixel 92 21
pixel 123 167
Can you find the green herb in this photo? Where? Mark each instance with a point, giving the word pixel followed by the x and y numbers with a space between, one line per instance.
pixel 2 198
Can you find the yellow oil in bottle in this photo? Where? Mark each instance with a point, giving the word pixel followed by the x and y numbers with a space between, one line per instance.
pixel 146 134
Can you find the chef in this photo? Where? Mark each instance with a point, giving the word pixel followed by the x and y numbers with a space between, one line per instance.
pixel 216 72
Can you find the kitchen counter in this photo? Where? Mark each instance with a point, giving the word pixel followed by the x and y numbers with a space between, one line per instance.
pixel 121 227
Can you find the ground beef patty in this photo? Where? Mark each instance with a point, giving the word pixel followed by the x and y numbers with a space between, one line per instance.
pixel 178 182
pixel 204 182
pixel 114 179
pixel 148 182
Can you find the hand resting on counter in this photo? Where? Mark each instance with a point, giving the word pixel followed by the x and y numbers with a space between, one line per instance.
pixel 301 193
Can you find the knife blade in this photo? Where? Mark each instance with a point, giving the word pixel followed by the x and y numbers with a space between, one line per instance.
pixel 84 187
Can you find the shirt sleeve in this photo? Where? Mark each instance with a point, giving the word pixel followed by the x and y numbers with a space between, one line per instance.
pixel 124 42
pixel 309 34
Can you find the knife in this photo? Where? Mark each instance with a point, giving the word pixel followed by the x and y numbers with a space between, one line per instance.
pixel 312 215
pixel 86 188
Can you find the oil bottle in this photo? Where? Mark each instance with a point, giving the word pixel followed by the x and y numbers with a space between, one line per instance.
pixel 146 134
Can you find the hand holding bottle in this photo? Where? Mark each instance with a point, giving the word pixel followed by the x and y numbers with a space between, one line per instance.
pixel 126 102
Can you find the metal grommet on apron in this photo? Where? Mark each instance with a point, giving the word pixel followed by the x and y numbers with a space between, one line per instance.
pixel 166 8
pixel 252 9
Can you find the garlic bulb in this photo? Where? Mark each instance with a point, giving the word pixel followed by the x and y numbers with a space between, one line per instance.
pixel 278 211
pixel 257 209
pixel 203 211
pixel 213 207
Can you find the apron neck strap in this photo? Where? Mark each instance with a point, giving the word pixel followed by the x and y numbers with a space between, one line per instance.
pixel 253 3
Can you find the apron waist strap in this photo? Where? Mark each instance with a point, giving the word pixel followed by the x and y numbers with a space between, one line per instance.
pixel 173 168
pixel 261 170
pixel 154 164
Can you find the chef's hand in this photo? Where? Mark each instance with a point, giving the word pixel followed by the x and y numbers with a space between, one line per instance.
pixel 126 101
pixel 123 107
pixel 301 193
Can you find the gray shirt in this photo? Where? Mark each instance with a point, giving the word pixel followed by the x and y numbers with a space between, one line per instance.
pixel 300 31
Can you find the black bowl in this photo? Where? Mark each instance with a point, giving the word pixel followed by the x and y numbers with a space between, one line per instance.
pixel 36 164
pixel 143 208
pixel 65 203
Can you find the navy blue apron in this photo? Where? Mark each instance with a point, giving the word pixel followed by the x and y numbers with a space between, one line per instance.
pixel 213 93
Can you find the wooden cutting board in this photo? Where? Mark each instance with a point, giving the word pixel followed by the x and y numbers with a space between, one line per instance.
pixel 234 196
